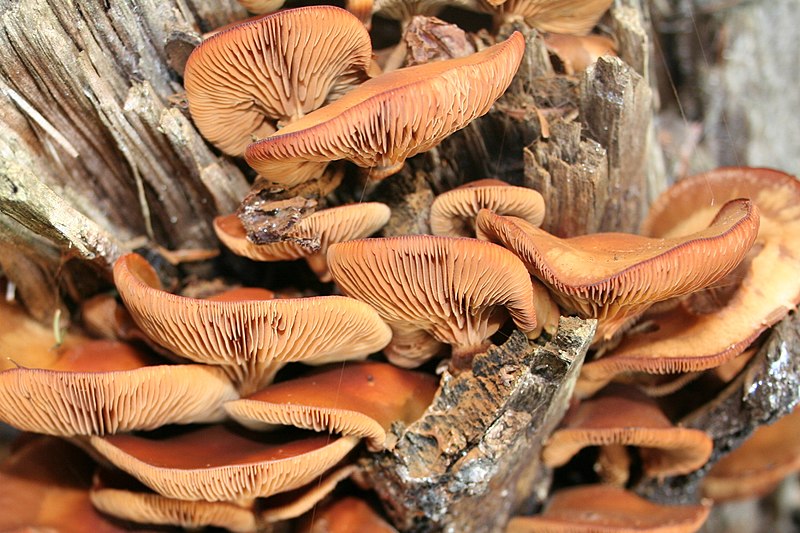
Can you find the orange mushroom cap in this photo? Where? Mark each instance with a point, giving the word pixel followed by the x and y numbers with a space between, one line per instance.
pixel 605 509
pixel 755 468
pixel 346 516
pixel 453 212
pixel 323 228
pixel 623 415
pixel 361 399
pixel 104 387
pixel 451 290
pixel 682 341
pixel 218 464
pixel 252 338
pixel 614 276
pixel 246 80
pixel 391 117
pixel 44 486
pixel 576 53
pixel 575 17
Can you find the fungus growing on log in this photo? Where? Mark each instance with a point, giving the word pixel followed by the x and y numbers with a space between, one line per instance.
pixel 361 399
pixel 684 341
pixel 453 212
pixel 218 464
pixel 576 53
pixel 103 387
pixel 250 339
pixel 433 290
pixel 389 118
pixel 310 237
pixel 623 415
pixel 576 17
pixel 247 81
pixel 604 509
pixel 615 277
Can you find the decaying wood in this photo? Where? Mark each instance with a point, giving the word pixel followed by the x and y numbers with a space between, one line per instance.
pixel 92 153
pixel 473 458
pixel 766 390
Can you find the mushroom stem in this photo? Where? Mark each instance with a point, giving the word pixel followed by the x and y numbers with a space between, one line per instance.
pixel 463 355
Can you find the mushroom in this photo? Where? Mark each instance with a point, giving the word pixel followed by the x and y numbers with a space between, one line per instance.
pixel 216 463
pixel 391 117
pixel 251 339
pixel 615 277
pixel 433 290
pixel 623 415
pixel 44 486
pixel 453 212
pixel 104 387
pixel 346 515
pixel 261 6
pixel 310 237
pixel 360 399
pixel 288 505
pixel 118 495
pixel 604 509
pixel 683 341
pixel 576 17
pixel 577 53
pixel 754 469
pixel 252 78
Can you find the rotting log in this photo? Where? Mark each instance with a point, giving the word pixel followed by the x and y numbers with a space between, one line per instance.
pixel 472 460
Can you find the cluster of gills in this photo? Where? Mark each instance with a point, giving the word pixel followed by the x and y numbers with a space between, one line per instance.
pixel 195 409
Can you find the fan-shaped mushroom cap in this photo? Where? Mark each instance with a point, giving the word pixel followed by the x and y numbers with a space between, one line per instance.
pixel 680 341
pixel 310 237
pixel 346 516
pixel 453 289
pixel 576 53
pixel 25 342
pixel 404 10
pixel 362 399
pixel 244 81
pixel 252 338
pixel 44 486
pixel 759 465
pixel 217 464
pixel 623 415
pixel 261 6
pixel 453 212
pixel 391 117
pixel 126 499
pixel 105 386
pixel 575 17
pixel 293 504
pixel 604 509
pixel 614 276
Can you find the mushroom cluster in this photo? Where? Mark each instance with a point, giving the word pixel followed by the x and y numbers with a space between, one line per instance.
pixel 245 407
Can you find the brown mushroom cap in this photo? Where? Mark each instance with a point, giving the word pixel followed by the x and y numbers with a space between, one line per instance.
pixel 605 509
pixel 575 17
pixel 346 516
pixel 681 341
pixel 252 338
pixel 759 465
pixel 242 82
pixel 404 10
pixel 44 486
pixel 117 495
pixel 453 212
pixel 576 53
pixel 455 290
pixel 361 399
pixel 614 276
pixel 391 117
pixel 261 6
pixel 217 464
pixel 104 387
pixel 324 227
pixel 24 342
pixel 623 415
pixel 293 504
